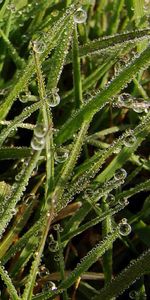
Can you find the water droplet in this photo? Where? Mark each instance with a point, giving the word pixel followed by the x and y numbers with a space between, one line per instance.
pixel 43 271
pixel 48 214
pixel 120 174
pixel 88 193
pixel 123 201
pixel 129 140
pixel 50 285
pixel 61 155
pixel 55 13
pixel 57 227
pixel 39 46
pixel 141 106
pixel 110 198
pixel 57 257
pixel 80 16
pixel 124 227
pixel 126 99
pixel 37 144
pixel 117 150
pixel 11 7
pixel 18 177
pixel 23 97
pixel 133 294
pixel 53 245
pixel 53 98
pixel 40 131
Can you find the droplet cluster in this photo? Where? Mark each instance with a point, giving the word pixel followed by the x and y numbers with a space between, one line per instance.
pixel 38 140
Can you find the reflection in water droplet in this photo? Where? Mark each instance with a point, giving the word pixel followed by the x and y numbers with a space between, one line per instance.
pixel 124 227
pixel 43 271
pixel 80 16
pixel 110 198
pixel 11 7
pixel 39 46
pixel 61 155
pixel 117 150
pixel 55 13
pixel 50 285
pixel 57 257
pixel 123 201
pixel 53 98
pixel 120 174
pixel 129 140
pixel 53 245
pixel 37 144
pixel 40 131
pixel 133 294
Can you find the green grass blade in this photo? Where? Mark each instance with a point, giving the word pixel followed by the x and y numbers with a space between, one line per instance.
pixel 88 110
pixel 88 260
pixel 11 289
pixel 135 270
pixel 106 43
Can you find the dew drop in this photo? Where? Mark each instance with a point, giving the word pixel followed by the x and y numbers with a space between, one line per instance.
pixel 51 285
pixel 55 13
pixel 117 150
pixel 129 140
pixel 11 7
pixel 126 99
pixel 88 193
pixel 110 198
pixel 133 294
pixel 39 46
pixel 43 271
pixel 123 201
pixel 124 227
pixel 53 245
pixel 18 177
pixel 37 144
pixel 61 155
pixel 80 16
pixel 58 228
pixel 40 131
pixel 53 98
pixel 57 257
pixel 120 174
pixel 23 98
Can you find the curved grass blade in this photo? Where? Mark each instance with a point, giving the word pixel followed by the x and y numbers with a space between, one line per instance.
pixel 136 269
pixel 91 257
pixel 10 205
pixel 50 42
pixel 88 110
pixel 11 289
pixel 24 115
pixel 106 43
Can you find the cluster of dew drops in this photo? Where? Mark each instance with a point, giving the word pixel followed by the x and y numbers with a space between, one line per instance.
pixel 52 97
pixel 123 226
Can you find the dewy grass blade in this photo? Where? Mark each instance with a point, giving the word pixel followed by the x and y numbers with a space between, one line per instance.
pixel 51 42
pixel 88 110
pixel 135 270
pixel 11 289
pixel 83 266
pixel 104 44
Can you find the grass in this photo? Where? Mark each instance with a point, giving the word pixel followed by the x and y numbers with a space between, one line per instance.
pixel 74 150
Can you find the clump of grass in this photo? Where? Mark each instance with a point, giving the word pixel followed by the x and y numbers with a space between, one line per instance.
pixel 75 120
